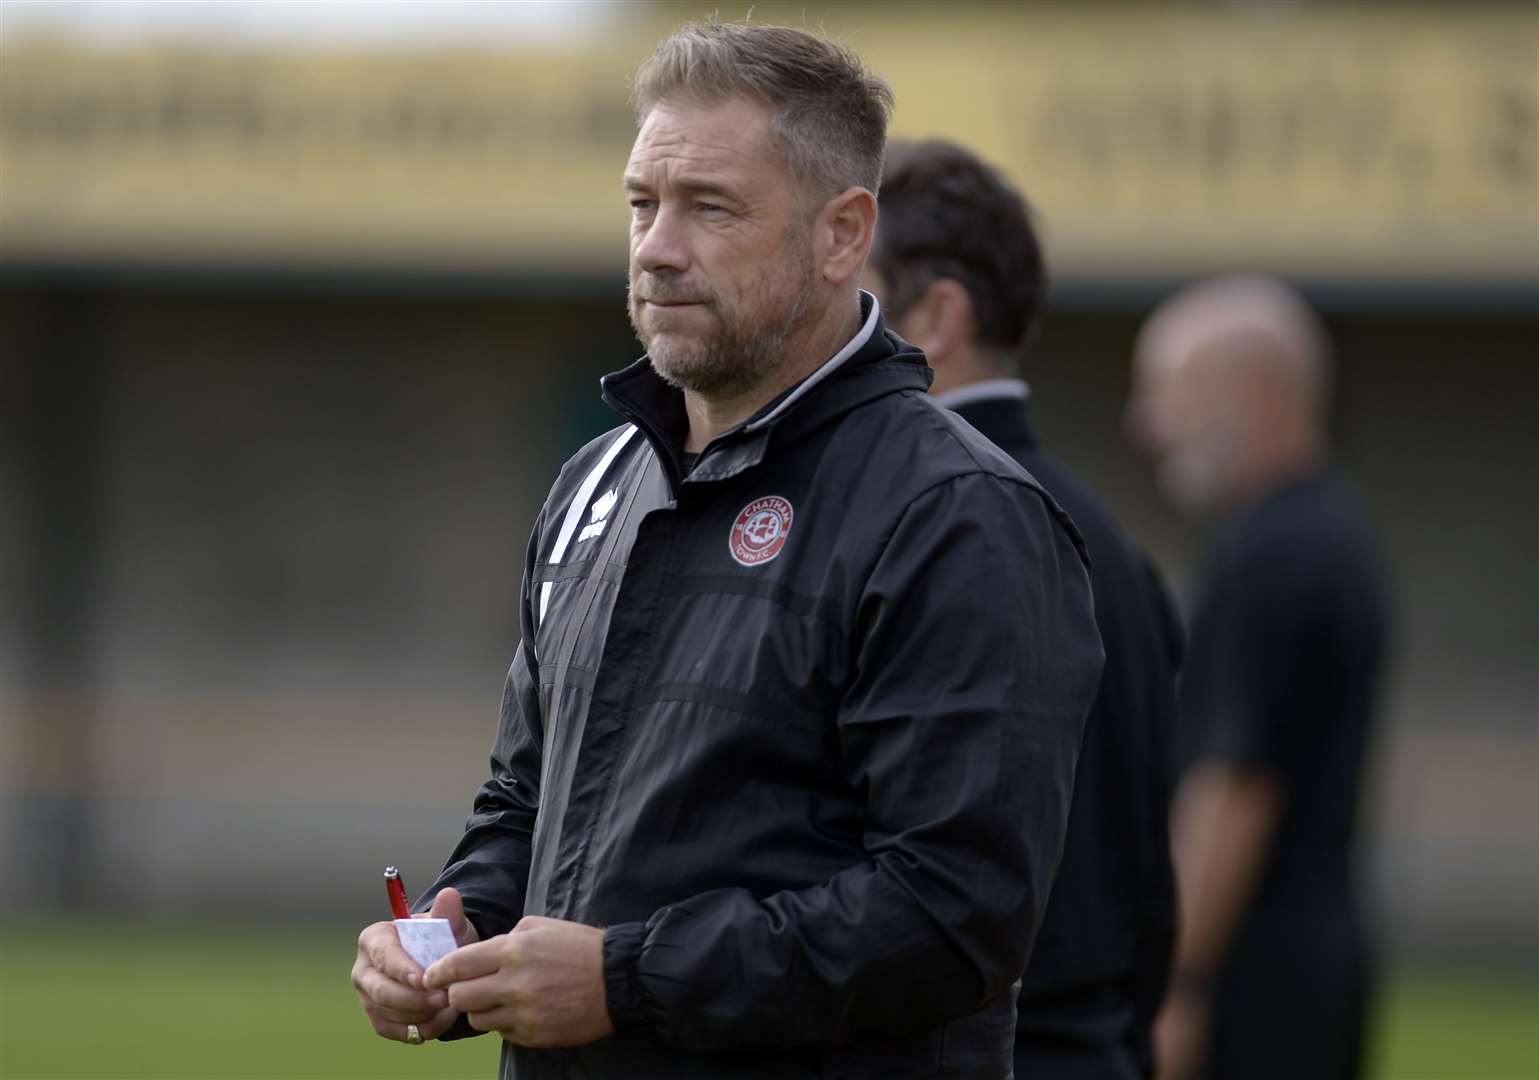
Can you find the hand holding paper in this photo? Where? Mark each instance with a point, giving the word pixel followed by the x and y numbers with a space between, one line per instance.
pixel 426 940
pixel 429 938
pixel 387 974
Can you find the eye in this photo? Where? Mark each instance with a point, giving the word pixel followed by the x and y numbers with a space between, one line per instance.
pixel 710 208
pixel 640 205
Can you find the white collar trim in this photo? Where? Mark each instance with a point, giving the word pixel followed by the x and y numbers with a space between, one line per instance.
pixel 986 390
pixel 853 346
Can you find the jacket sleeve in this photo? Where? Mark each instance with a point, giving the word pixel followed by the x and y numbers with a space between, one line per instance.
pixel 976 659
pixel 490 864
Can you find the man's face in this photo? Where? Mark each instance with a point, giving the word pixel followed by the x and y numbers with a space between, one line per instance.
pixel 721 268
pixel 1190 413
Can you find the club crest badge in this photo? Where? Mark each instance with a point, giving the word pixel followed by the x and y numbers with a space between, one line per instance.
pixel 760 530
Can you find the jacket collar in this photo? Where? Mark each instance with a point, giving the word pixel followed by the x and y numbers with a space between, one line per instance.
pixel 1005 419
pixel 871 316
pixel 875 362
pixel 982 390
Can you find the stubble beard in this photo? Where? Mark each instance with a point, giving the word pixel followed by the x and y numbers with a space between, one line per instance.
pixel 746 349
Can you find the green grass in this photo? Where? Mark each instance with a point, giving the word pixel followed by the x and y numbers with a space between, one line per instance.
pixel 1457 1027
pixel 204 1003
pixel 219 1004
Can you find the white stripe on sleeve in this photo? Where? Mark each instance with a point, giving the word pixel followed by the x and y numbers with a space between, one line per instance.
pixel 579 503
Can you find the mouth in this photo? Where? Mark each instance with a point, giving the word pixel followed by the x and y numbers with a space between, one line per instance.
pixel 671 303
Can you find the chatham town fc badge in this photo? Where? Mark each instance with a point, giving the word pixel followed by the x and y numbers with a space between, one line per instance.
pixel 760 530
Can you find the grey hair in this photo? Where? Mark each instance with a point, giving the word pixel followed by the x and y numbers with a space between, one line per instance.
pixel 830 112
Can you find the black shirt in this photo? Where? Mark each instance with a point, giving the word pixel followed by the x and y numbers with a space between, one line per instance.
pixel 1098 971
pixel 1286 652
pixel 1287 645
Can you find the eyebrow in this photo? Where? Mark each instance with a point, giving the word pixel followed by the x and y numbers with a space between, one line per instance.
pixel 687 185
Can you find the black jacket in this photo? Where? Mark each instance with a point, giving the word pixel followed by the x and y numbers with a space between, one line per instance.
pixel 810 759
pixel 1102 958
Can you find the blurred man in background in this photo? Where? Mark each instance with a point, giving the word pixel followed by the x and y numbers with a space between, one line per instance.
pixel 1271 978
pixel 960 273
pixel 785 756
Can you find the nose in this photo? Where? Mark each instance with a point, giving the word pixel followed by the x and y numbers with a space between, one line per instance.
pixel 660 246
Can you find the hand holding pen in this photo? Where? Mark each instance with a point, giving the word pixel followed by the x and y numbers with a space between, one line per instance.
pixel 389 982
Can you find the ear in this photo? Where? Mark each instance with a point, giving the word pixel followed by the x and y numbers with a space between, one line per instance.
pixel 940 322
pixel 842 234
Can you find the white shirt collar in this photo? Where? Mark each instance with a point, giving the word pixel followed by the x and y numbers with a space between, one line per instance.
pixel 985 390
pixel 853 346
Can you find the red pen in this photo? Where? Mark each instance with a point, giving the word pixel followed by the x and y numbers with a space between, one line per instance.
pixel 397 893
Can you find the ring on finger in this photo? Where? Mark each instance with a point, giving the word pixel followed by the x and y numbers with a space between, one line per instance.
pixel 413 1036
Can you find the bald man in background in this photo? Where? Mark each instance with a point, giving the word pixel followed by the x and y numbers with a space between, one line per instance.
pixel 1232 385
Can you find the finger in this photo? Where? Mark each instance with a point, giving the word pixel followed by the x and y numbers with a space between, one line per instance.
pixel 479 995
pixel 377 988
pixel 388 1029
pixel 440 1023
pixel 448 905
pixel 374 986
pixel 503 1019
pixel 429 1027
pixel 403 1016
pixel 469 962
pixel 382 946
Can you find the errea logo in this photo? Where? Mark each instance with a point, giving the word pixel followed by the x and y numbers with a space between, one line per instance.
pixel 598 515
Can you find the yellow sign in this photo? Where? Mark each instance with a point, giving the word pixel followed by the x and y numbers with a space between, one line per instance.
pixel 1386 143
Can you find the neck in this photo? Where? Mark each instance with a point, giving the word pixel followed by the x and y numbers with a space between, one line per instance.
pixel 805 353
pixel 1291 460
pixel 964 365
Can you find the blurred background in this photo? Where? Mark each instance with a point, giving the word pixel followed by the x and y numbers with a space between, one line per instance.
pixel 303 304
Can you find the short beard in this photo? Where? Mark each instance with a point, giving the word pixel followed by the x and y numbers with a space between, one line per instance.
pixel 745 351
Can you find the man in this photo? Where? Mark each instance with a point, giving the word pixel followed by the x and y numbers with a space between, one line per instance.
pixel 1286 650
pixel 959 272
pixel 786 751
